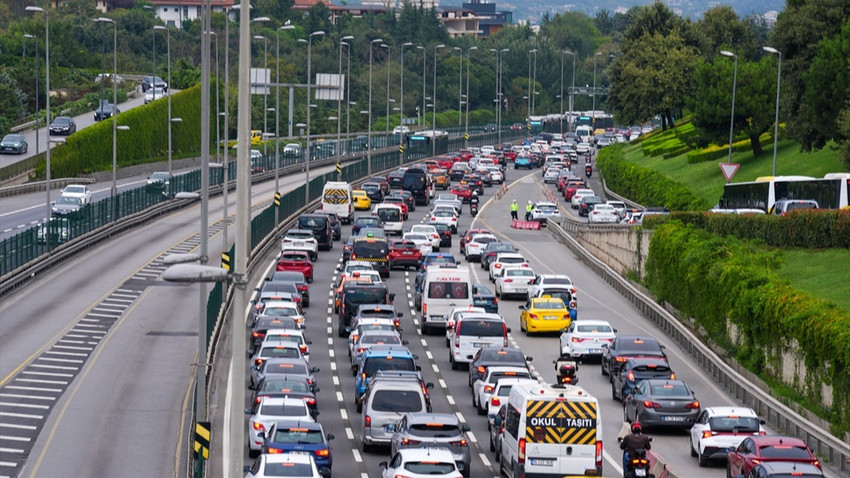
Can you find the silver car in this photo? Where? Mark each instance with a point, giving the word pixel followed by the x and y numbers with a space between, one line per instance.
pixel 417 430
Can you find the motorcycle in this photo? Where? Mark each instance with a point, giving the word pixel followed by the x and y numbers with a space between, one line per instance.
pixel 566 369
pixel 638 465
pixel 588 171
pixel 587 159
pixel 473 205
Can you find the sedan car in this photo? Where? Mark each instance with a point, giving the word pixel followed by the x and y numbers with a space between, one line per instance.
pixel 266 412
pixel 483 297
pixel 514 281
pixel 444 216
pixel 661 403
pixel 587 203
pixel 298 261
pixel 545 211
pixel 154 94
pixel 288 464
pixel 63 125
pixel 483 388
pixel 421 463
pixel 761 449
pixel 158 182
pixel 603 214
pixel 495 356
pixel 423 430
pixel 78 191
pixel 362 201
pixel 105 110
pixel 422 241
pixel 782 469
pixel 544 314
pixel 296 437
pixel 585 339
pixel 53 231
pixel 373 222
pixel 719 428
pixel 65 205
pixel 14 144
pixel 629 346
pixel 625 378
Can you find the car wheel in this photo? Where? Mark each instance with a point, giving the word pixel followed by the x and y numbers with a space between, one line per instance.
pixel 253 453
pixel 703 460
pixel 448 342
pixel 359 406
pixel 483 411
pixel 492 444
pixel 455 365
pixel 613 392
pixel 626 414
pixel 366 447
pixel 694 453
pixel 602 367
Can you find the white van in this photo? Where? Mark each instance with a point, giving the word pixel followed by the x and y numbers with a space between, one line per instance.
pixel 474 331
pixel 391 216
pixel 446 288
pixel 551 430
pixel 336 198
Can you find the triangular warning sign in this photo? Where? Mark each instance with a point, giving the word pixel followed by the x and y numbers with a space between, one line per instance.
pixel 729 170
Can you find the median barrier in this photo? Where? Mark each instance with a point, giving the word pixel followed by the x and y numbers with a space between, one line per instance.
pixel 530 225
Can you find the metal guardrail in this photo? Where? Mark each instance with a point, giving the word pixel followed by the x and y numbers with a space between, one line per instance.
pixel 831 449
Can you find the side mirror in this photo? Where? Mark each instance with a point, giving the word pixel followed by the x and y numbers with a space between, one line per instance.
pixel 415 357
pixel 329 437
pixel 246 468
pixel 314 413
pixel 605 346
pixel 399 315
pixel 429 386
pixel 615 331
pixel 418 368
pixel 316 390
pixel 382 465
pixel 248 411
pixel 405 342
pixel 520 307
pixel 309 342
pixel 509 330
pixel 465 428
pixel 392 297
pixel 529 359
pixel 315 370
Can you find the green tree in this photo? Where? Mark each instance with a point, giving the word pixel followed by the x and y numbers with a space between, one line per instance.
pixel 721 28
pixel 604 22
pixel 658 18
pixel 827 84
pixel 754 103
pixel 653 76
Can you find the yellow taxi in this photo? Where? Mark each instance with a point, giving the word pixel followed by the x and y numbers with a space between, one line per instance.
pixel 544 314
pixel 362 201
pixel 441 178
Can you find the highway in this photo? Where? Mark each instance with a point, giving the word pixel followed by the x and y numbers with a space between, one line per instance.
pixel 97 357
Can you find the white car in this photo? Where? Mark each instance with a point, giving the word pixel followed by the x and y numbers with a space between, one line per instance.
pixel 585 338
pixel 429 231
pixel 719 428
pixel 424 462
pixel 422 241
pixel 501 392
pixel 545 210
pixel 475 246
pixel 503 260
pixel 551 175
pixel 302 240
pixel 496 174
pixel 482 389
pixel 275 465
pixel 580 193
pixel 292 149
pixel 514 281
pixel 551 280
pixel 582 148
pixel 267 411
pixel 154 94
pixel 78 191
pixel 444 215
pixel 603 214
pixel 277 336
pixel 456 314
pixel 284 308
pixel 620 206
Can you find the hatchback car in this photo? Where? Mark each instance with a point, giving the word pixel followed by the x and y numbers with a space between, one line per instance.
pixel 266 412
pixel 784 469
pixel 719 428
pixel 300 437
pixel 495 356
pixel 404 253
pixel 295 260
pixel 662 404
pixel 361 200
pixel 14 144
pixel 761 449
pixel 625 378
pixel 421 463
pixel 288 464
pixel 418 430
pixel 483 297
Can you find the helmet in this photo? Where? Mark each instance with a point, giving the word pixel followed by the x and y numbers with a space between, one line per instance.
pixel 529 202
pixel 636 428
pixel 514 200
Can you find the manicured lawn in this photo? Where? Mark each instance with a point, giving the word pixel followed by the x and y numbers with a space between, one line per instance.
pixel 706 180
pixel 821 273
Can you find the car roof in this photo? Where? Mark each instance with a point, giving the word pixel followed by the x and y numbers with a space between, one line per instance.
pixel 791 466
pixel 730 411
pixel 443 418
pixel 389 349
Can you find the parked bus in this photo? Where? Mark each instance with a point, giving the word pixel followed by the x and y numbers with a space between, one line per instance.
pixel 830 192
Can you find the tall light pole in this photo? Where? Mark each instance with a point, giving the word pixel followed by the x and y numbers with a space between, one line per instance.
pixel 459 83
pixel 369 116
pixel 534 84
pixel 389 64
pixel 434 119
pixel 47 107
pixel 168 55
pixel 217 99
pixel 309 83
pixel 424 61
pixel 401 93
pixel 27 36
pixel 342 42
pixel 499 93
pixel 153 62
pixel 734 85
pixel 530 94
pixel 114 101
pixel 593 109
pixel 561 109
pixel 265 86
pixel 288 26
pixel 572 89
pixel 466 127
pixel 226 113
pixel 348 102
pixel 778 53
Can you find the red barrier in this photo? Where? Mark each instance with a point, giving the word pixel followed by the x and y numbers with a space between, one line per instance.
pixel 531 225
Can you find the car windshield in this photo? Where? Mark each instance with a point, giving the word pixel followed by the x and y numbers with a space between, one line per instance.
pixel 549 304
pixel 281 311
pixel 379 339
pixel 288 368
pixel 481 328
pixel 292 257
pixel 594 329
pixel 435 430
pixel 75 189
pixel 482 290
pixel 68 200
pixel 640 345
pixel 284 409
pixel 734 424
pixel 285 386
pixel 366 295
pixel 502 356
pixel 287 468
pixel 389 214
pixel 159 176
pixel 62 121
pixel 389 362
pixel 444 213
pixel 313 222
pixel 519 272
pixel 296 339
pixel 280 352
pixel 397 401
pixel 303 436
pixel 670 390
pixel 789 452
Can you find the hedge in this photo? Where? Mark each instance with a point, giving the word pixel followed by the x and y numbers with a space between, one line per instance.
pixel 668 141
pixel 810 228
pixel 719 151
pixel 643 185
pixel 90 149
pixel 714 279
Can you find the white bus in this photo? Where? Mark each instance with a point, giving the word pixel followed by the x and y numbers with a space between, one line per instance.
pixel 830 192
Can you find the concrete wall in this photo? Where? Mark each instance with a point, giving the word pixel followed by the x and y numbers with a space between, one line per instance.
pixel 623 248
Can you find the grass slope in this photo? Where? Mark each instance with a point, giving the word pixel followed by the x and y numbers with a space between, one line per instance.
pixel 822 273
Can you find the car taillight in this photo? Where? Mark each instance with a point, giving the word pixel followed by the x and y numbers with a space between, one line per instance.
pixel 692 406
pixel 424 308
pixel 259 426
pixel 521 451
pixel 495 401
pixel 620 359
pixel 488 389
pixel 309 401
pixel 532 316
pixel 630 376
pixel 260 398
pixel 408 441
pixel 454 219
pixel 481 369
pixel 303 349
pixel 258 335
pixel 461 442
pixel 672 375
pixel 274 451
pixel 259 361
pixel 322 453
pixel 509 280
pixel 258 307
pixel 708 434
pixel 599 454
pixel 651 404
pixel 577 340
pixel 367 422
pixel 497 266
pixel 396 322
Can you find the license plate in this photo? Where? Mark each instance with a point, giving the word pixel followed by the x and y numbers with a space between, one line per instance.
pixel 539 462
pixel 640 472
pixel 550 317
pixel 407 253
pixel 594 351
pixel 300 452
pixel 478 345
pixel 674 419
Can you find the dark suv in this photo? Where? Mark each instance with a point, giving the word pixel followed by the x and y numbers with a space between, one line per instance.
pixel 353 295
pixel 495 356
pixel 625 347
pixel 156 82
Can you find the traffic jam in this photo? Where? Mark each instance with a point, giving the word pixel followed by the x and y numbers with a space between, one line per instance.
pixel 373 315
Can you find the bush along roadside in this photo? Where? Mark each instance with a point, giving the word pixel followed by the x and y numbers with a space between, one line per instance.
pixel 644 185
pixel 731 288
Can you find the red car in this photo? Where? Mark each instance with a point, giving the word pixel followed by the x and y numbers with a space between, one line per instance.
pixel 445 162
pixel 298 261
pixel 571 187
pixel 468 235
pixel 465 154
pixel 509 154
pixel 398 201
pixel 759 449
pixel 404 254
pixel 462 191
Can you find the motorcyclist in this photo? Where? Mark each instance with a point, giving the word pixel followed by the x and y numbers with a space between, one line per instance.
pixel 634 441
pixel 473 203
pixel 528 208
pixel 514 209
pixel 588 170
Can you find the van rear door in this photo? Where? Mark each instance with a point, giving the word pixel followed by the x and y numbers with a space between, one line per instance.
pixel 569 426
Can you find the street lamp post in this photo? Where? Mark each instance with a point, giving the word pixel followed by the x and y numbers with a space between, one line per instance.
pixel 265 86
pixel 561 96
pixel 46 106
pixel 434 119
pixel 530 82
pixel 734 85
pixel 114 101
pixel 534 84
pixel 168 55
pixel 466 127
pixel 309 107
pixel 459 83
pixel 226 117
pixel 499 93
pixel 593 112
pixel 389 64
pixel 348 102
pixel 277 117
pixel 401 93
pixel 424 61
pixel 343 41
pixel 369 116
pixel 778 53
pixel 572 89
pixel 36 90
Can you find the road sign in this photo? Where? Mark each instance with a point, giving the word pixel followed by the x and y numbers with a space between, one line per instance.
pixel 466 136
pixel 729 170
pixel 202 439
pixel 277 199
pixel 225 261
pixel 338 168
pixel 401 148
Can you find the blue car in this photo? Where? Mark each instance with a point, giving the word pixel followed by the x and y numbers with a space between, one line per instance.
pixel 522 162
pixel 381 357
pixel 483 297
pixel 296 436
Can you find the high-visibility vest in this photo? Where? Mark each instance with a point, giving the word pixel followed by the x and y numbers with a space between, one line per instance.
pixel 528 207
pixel 514 207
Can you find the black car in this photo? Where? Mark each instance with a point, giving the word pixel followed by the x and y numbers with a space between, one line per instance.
pixel 482 296
pixel 374 191
pixel 587 204
pixel 263 323
pixel 158 182
pixel 492 250
pixel 625 347
pixel 153 81
pixel 353 295
pixel 445 234
pixel 346 249
pixel 396 179
pixel 633 370
pixel 63 125
pixel 409 199
pixel 296 277
pixel 336 225
pixel 456 174
pixel 495 356
pixel 105 110
pixel 474 182
pixel 65 206
pixel 365 221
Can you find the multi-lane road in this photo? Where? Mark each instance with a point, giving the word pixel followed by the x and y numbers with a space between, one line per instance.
pixel 97 357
